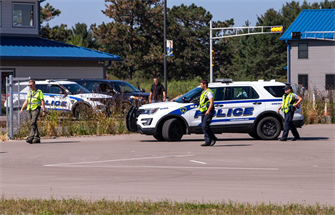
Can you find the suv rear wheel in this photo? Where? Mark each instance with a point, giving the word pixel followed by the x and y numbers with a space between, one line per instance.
pixel 172 130
pixel 268 128
pixel 254 135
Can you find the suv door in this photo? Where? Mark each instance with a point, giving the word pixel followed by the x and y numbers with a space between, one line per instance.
pixel 57 98
pixel 195 114
pixel 243 105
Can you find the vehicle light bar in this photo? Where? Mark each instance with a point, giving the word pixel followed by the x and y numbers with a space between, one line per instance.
pixel 224 80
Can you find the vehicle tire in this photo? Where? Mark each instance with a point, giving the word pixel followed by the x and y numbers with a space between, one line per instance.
pixel 82 112
pixel 172 130
pixel 268 128
pixel 159 137
pixel 254 135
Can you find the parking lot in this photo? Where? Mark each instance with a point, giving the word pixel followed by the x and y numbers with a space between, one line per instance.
pixel 138 167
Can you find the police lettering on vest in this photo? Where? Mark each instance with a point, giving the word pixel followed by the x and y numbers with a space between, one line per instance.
pixel 34 99
pixel 204 101
pixel 287 100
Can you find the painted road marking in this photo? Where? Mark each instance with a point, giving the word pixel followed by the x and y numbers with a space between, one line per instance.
pixel 197 162
pixel 175 167
pixel 118 160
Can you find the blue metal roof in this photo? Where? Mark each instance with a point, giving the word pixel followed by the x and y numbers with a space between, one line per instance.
pixel 36 48
pixel 312 20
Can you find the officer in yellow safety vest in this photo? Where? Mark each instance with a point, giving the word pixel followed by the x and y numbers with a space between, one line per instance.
pixel 206 107
pixel 290 102
pixel 35 100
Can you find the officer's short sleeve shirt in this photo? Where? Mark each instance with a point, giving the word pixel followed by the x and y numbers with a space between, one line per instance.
pixel 210 95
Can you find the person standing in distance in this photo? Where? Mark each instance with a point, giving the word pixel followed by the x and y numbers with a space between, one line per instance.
pixel 34 101
pixel 206 107
pixel 157 92
pixel 288 106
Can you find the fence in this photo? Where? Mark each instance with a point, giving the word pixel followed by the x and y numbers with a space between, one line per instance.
pixel 13 104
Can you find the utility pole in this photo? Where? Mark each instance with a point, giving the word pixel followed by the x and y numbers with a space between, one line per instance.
pixel 237 32
pixel 165 57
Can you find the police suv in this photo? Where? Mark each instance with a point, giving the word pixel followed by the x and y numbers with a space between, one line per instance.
pixel 66 96
pixel 240 107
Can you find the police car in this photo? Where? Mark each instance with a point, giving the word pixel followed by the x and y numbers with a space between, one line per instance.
pixel 240 107
pixel 66 96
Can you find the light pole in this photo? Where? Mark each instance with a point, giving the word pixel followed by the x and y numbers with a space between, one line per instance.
pixel 165 56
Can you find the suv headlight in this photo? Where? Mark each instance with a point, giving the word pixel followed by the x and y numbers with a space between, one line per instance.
pixel 148 111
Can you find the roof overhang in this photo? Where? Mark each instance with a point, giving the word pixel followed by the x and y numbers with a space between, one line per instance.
pixel 36 48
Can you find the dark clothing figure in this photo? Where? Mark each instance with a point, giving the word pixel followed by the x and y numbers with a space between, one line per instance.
pixel 157 92
pixel 288 125
pixel 33 117
pixel 206 129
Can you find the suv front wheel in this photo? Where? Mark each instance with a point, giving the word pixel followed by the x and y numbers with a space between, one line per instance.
pixel 172 130
pixel 268 128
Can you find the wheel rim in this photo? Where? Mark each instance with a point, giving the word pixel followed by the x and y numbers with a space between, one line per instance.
pixel 269 128
pixel 175 131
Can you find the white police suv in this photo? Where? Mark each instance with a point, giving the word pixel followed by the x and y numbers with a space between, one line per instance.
pixel 240 107
pixel 66 96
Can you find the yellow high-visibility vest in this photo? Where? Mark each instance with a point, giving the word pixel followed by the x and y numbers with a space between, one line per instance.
pixel 34 99
pixel 287 99
pixel 204 101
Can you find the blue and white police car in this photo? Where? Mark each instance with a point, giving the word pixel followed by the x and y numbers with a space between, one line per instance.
pixel 66 96
pixel 240 107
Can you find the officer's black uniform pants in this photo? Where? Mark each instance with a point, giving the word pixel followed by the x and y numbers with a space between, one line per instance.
pixel 288 125
pixel 206 129
pixel 33 116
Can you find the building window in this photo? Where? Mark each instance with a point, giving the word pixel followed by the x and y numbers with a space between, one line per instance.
pixel 23 15
pixel 330 82
pixel 303 81
pixel 303 51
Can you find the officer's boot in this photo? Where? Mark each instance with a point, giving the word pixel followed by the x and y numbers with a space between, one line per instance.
pixel 29 140
pixel 36 140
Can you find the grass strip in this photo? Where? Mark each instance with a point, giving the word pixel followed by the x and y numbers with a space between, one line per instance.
pixel 80 206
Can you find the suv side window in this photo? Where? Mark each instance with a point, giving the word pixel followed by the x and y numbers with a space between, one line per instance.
pixel 43 87
pixel 219 93
pixel 56 90
pixel 91 86
pixel 276 91
pixel 238 93
pixel 104 87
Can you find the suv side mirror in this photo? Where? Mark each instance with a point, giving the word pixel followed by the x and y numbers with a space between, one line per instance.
pixel 195 101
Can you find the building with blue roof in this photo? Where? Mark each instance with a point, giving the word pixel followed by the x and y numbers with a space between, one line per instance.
pixel 24 54
pixel 311 49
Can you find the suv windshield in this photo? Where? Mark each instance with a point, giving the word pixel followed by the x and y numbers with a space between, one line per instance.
pixel 189 96
pixel 75 89
pixel 124 87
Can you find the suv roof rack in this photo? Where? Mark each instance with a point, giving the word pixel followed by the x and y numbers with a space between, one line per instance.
pixel 224 80
pixel 50 80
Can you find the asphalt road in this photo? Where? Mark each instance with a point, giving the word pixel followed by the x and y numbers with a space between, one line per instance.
pixel 126 167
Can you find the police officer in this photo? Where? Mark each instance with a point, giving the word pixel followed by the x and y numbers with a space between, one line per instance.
pixel 206 107
pixel 288 106
pixel 34 101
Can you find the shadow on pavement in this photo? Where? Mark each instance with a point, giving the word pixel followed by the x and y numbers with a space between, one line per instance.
pixel 216 145
pixel 238 139
pixel 311 138
pixel 58 142
pixel 200 140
